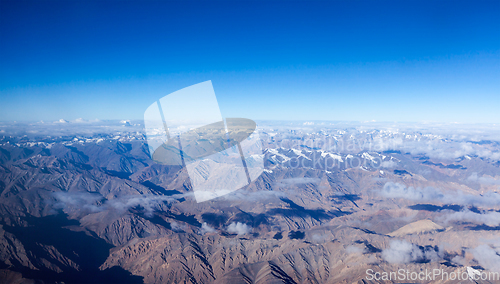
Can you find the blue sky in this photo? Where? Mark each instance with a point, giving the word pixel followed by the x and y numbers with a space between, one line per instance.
pixel 278 60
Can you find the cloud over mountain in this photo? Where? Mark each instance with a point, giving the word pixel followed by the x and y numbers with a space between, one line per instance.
pixel 431 194
pixel 239 228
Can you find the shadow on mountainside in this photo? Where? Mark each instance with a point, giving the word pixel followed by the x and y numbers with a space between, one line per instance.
pixel 85 251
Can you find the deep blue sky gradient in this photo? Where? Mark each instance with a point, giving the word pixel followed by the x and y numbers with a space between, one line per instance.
pixel 325 60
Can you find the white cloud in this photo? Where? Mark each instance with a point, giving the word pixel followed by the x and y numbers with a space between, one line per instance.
pixel 354 250
pixel 205 228
pixel 489 218
pixel 239 228
pixel 487 257
pixel 430 194
pixel 148 202
pixel 254 195
pixel 80 120
pixel 401 251
pixel 78 200
pixel 483 180
pixel 397 190
pixel 438 143
pixel 299 180
pixel 388 164
pixel 319 238
pixel 95 202
pixel 177 227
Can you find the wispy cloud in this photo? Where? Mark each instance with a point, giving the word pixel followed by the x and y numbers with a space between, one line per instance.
pixel 488 257
pixel 79 200
pixel 388 164
pixel 254 195
pixel 488 218
pixel 95 202
pixel 483 180
pixel 355 250
pixel 299 180
pixel 205 228
pixel 430 194
pixel 177 227
pixel 442 146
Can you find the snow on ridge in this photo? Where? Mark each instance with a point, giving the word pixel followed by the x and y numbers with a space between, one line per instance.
pixel 367 156
pixel 325 154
